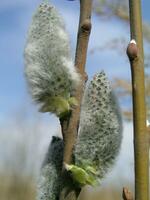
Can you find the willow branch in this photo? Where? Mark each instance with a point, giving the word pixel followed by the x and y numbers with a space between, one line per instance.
pixel 80 61
pixel 136 58
pixel 70 125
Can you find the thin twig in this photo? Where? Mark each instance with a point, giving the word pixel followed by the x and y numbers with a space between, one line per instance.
pixel 127 195
pixel 141 147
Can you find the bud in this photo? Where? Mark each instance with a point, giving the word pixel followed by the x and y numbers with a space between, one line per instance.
pixel 132 50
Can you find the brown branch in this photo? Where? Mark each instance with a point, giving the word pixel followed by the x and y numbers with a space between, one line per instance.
pixel 127 195
pixel 70 125
pixel 80 61
pixel 141 147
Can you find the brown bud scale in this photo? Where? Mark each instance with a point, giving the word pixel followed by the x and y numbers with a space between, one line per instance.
pixel 132 50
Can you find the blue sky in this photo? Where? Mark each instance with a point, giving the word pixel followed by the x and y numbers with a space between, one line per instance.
pixel 15 17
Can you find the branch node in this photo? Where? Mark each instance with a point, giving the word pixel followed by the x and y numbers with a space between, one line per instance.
pixel 86 26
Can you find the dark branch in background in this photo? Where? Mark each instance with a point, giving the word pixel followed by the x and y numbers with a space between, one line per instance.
pixel 141 147
pixel 120 9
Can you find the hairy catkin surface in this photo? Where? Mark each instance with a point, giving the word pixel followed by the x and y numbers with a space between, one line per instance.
pixel 49 69
pixel 49 182
pixel 100 130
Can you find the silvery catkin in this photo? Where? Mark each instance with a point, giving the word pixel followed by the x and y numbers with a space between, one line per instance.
pixel 100 130
pixel 49 69
pixel 49 182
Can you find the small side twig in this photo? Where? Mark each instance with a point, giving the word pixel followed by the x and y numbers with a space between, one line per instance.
pixel 127 195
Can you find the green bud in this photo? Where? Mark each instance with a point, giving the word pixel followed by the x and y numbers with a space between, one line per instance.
pixel 80 175
pixel 57 105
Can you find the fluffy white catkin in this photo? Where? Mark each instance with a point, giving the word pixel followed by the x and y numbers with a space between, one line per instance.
pixel 49 182
pixel 49 69
pixel 100 130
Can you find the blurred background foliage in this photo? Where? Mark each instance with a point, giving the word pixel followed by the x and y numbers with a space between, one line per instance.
pixel 120 9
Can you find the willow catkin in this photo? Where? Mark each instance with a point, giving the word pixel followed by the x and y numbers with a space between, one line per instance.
pixel 100 130
pixel 49 69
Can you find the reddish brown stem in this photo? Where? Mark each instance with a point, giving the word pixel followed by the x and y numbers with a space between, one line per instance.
pixel 70 125
pixel 80 61
pixel 127 195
